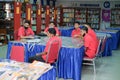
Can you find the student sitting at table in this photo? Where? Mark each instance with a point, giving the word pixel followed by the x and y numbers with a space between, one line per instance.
pixel 25 31
pixel 52 25
pixel 92 33
pixel 89 43
pixel 76 33
pixel 42 56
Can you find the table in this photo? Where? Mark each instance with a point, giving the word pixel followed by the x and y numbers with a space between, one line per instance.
pixel 70 56
pixel 115 37
pixel 11 69
pixel 108 49
pixel 115 28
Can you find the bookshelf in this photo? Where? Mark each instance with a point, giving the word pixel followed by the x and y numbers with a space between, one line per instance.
pixel 93 17
pixel 43 16
pixel 115 17
pixel 52 13
pixel 33 21
pixel 80 15
pixel 58 19
pixel 68 16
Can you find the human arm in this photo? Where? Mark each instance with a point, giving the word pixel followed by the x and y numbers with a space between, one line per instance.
pixel 57 31
pixel 39 54
pixel 27 34
pixel 46 30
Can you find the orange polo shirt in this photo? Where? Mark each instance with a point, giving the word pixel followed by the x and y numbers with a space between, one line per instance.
pixel 24 32
pixel 44 56
pixel 76 32
pixel 56 29
pixel 93 35
pixel 90 46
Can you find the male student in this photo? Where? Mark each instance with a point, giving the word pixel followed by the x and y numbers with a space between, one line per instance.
pixel 52 25
pixel 92 33
pixel 42 56
pixel 89 43
pixel 76 33
pixel 25 31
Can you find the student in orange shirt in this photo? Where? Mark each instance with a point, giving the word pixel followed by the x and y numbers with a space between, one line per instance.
pixel 89 43
pixel 76 33
pixel 25 31
pixel 42 56
pixel 52 25
pixel 92 33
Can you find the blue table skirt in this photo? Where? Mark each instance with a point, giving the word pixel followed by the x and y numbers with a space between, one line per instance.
pixel 115 39
pixel 66 32
pixel 108 48
pixel 70 60
pixel 50 75
pixel 117 28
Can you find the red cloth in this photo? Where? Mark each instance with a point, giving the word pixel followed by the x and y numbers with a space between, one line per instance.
pixel 93 35
pixel 23 32
pixel 90 46
pixel 17 53
pixel 56 29
pixel 44 56
pixel 76 32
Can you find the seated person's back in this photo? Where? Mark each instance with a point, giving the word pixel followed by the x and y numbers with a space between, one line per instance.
pixel 43 56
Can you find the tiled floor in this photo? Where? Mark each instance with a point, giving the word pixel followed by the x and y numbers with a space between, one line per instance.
pixel 107 68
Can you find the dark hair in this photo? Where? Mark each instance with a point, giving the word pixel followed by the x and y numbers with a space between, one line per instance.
pixel 84 28
pixel 77 22
pixel 52 22
pixel 27 21
pixel 52 31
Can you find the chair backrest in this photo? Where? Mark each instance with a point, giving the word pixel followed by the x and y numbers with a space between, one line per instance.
pixel 17 53
pixel 98 48
pixel 103 43
pixel 53 51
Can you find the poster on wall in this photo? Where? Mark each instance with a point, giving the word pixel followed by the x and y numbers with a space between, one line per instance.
pixel 106 15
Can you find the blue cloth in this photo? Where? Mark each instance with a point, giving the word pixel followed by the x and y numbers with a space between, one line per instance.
pixel 70 60
pixel 66 32
pixel 116 28
pixel 50 75
pixel 115 38
pixel 108 49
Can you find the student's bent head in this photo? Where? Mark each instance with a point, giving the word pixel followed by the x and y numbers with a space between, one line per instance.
pixel 87 25
pixel 51 31
pixel 84 30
